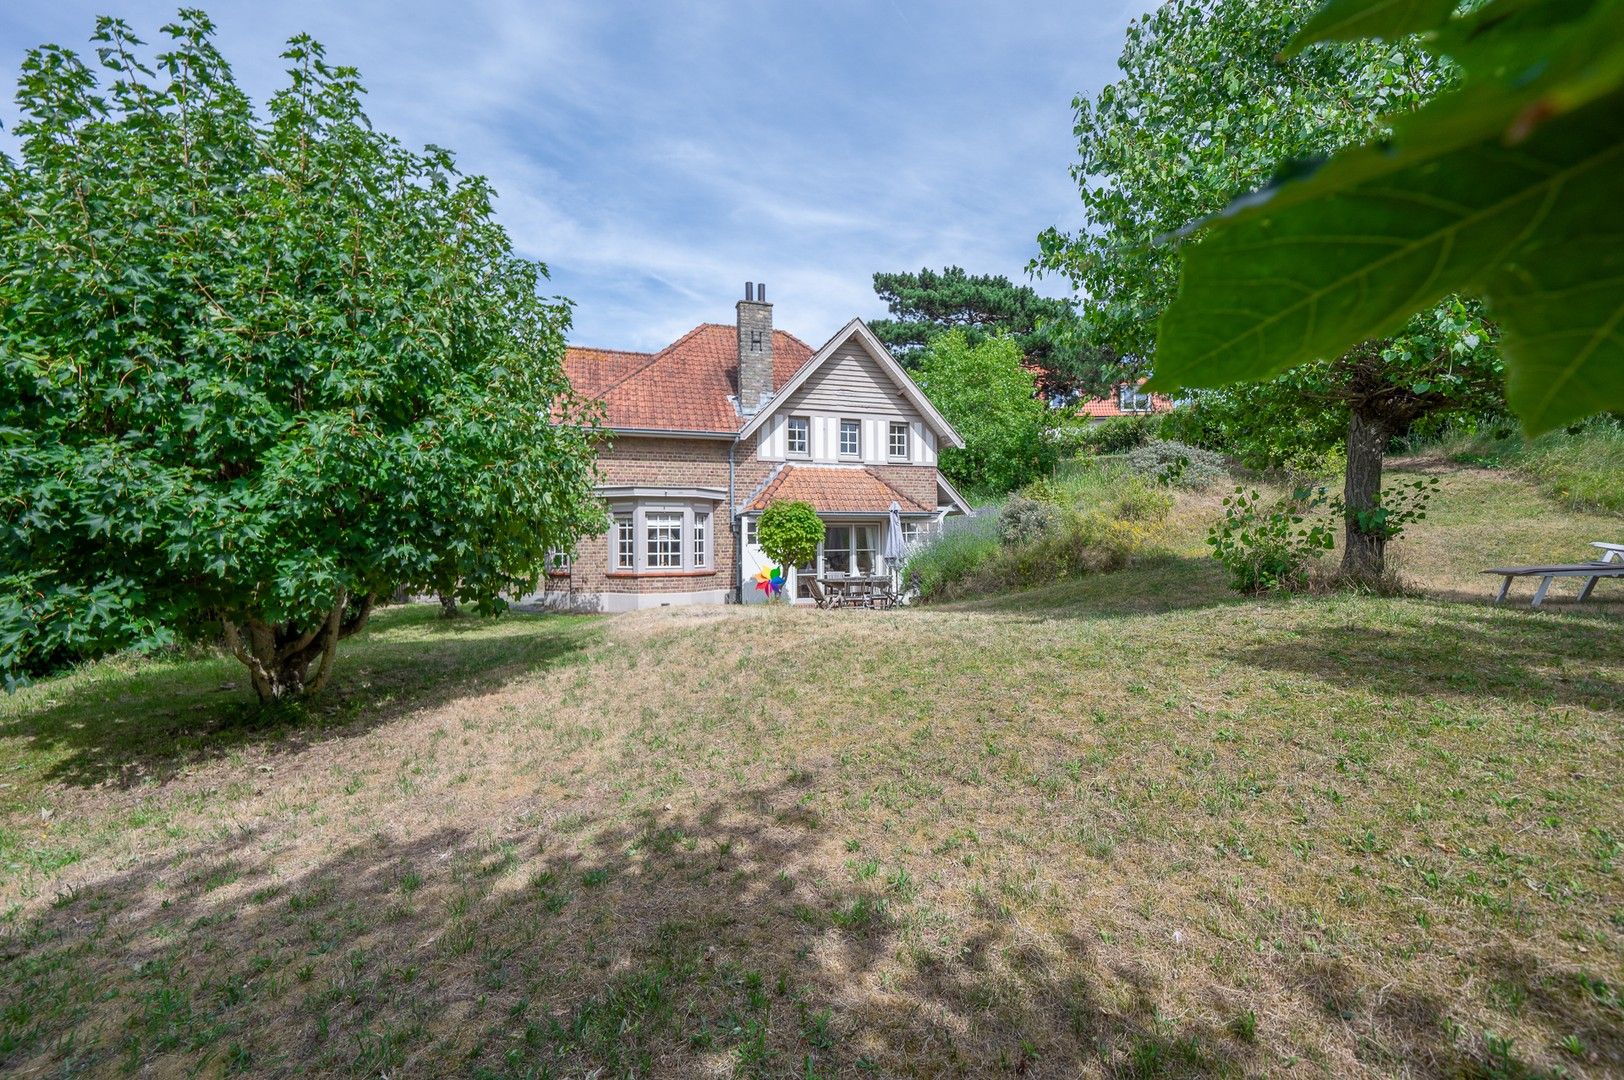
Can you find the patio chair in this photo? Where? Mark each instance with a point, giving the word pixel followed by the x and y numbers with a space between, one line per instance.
pixel 822 597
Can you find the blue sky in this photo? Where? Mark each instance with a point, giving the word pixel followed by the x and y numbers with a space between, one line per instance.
pixel 658 155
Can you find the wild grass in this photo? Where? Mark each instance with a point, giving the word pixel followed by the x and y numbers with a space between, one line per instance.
pixel 1128 824
pixel 1579 468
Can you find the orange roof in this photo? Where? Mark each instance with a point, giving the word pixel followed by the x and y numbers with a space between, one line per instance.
pixel 1111 404
pixel 683 387
pixel 834 490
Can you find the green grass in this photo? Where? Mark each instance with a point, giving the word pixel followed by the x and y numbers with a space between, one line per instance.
pixel 1580 468
pixel 1127 824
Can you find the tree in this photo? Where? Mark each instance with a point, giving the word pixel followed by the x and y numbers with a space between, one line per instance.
pixel 987 393
pixel 259 373
pixel 789 533
pixel 1206 109
pixel 1508 187
pixel 1050 336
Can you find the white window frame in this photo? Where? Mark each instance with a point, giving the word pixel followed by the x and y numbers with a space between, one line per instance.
pixel 905 430
pixel 855 427
pixel 750 539
pixel 623 554
pixel 692 521
pixel 669 547
pixel 1130 399
pixel 805 425
pixel 558 562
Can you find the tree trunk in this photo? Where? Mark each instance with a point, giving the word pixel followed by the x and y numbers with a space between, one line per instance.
pixel 448 605
pixel 278 657
pixel 1364 541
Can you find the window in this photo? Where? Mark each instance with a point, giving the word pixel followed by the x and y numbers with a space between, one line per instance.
pixel 913 532
pixel 701 527
pixel 798 436
pixel 558 562
pixel 897 445
pixel 851 438
pixel 664 535
pixel 1131 399
pixel 625 543
pixel 749 532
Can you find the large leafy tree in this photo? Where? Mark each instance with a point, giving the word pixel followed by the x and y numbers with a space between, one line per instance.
pixel 259 372
pixel 1207 107
pixel 986 392
pixel 1052 339
pixel 1508 186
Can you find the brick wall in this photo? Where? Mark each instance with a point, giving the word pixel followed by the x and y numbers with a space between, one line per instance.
pixel 661 461
pixel 918 482
pixel 658 461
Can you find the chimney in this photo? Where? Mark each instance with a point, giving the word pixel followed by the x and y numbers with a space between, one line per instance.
pixel 755 348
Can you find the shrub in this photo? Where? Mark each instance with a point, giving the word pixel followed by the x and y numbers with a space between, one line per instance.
pixel 963 546
pixel 1177 464
pixel 1024 519
pixel 789 533
pixel 1138 500
pixel 1117 435
pixel 1266 548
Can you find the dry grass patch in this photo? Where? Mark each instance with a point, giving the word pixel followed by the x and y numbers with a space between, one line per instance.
pixel 1129 825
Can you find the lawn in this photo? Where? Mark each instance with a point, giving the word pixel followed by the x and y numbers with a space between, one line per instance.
pixel 1128 825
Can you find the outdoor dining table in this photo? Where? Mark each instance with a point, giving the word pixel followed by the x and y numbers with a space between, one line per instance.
pixel 857 588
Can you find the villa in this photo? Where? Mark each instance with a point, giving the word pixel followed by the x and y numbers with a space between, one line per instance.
pixel 715 426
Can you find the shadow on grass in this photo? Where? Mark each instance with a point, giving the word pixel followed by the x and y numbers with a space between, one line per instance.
pixel 679 945
pixel 1469 653
pixel 146 721
pixel 682 944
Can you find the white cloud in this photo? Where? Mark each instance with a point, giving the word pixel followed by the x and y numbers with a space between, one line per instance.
pixel 657 156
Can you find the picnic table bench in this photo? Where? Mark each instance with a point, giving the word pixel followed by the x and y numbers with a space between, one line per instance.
pixel 1611 565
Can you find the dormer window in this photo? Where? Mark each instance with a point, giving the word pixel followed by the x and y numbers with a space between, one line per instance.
pixel 1130 399
pixel 851 438
pixel 798 436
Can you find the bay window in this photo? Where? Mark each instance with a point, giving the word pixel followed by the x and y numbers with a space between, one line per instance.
pixel 660 537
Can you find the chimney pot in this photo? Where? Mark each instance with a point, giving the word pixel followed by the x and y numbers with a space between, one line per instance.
pixel 761 292
pixel 749 290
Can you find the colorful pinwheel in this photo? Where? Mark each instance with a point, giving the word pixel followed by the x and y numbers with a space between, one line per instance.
pixel 770 580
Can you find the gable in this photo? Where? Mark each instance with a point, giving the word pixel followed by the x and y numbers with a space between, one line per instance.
pixel 856 353
pixel 851 383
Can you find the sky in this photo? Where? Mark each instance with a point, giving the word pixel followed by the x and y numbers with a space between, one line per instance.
pixel 656 156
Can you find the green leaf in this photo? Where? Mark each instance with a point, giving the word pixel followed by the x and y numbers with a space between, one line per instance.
pixel 1351 20
pixel 1280 286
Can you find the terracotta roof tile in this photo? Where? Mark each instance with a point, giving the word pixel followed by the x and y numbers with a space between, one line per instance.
pixel 683 387
pixel 834 490
pixel 1111 405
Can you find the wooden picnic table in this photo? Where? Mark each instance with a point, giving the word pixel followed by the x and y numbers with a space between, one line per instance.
pixel 859 589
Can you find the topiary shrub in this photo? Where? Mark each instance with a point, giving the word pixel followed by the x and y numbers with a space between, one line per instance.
pixel 1177 464
pixel 789 533
pixel 1023 519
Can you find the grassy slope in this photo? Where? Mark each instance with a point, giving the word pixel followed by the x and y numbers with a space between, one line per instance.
pixel 1131 822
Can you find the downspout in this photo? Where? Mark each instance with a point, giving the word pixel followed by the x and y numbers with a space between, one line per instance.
pixel 737 588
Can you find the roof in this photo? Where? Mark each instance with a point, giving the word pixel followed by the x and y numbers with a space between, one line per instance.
pixel 686 386
pixel 834 490
pixel 1111 405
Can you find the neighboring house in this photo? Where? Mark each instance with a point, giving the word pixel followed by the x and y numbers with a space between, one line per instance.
pixel 711 429
pixel 1129 399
